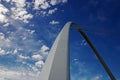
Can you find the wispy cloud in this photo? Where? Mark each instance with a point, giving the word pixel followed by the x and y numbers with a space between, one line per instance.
pixel 41 4
pixel 83 73
pixel 18 10
pixel 53 22
pixel 10 74
pixel 3 12
pixel 51 11
pixel 46 7
pixel 19 42
pixel 55 2
pixel 26 48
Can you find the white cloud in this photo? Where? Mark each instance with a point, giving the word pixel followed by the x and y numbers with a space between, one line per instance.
pixel 2 36
pixel 44 13
pixel 3 9
pixel 2 51
pixel 55 2
pixel 37 3
pixel 83 72
pixel 19 3
pixel 20 14
pixel 18 11
pixel 4 43
pixel 15 51
pixel 83 43
pixel 98 77
pixel 52 11
pixel 23 57
pixel 3 19
pixel 53 22
pixel 3 12
pixel 39 64
pixel 19 74
pixel 30 31
pixel 19 41
pixel 35 69
pixel 41 4
pixel 37 57
pixel 44 50
pixel 45 6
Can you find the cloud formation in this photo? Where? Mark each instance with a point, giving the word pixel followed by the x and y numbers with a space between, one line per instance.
pixel 18 10
pixel 53 22
pixel 3 12
pixel 18 44
pixel 82 72
pixel 9 74
pixel 51 11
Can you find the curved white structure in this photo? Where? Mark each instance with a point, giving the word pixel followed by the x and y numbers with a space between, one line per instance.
pixel 57 64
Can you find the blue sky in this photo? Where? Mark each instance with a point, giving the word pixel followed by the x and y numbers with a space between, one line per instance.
pixel 28 29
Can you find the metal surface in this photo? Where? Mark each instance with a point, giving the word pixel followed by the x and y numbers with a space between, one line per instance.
pixel 57 64
pixel 95 51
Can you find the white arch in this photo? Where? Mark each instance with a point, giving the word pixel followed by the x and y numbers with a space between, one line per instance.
pixel 57 64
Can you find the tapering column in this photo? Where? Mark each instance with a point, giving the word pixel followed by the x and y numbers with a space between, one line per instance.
pixel 57 64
